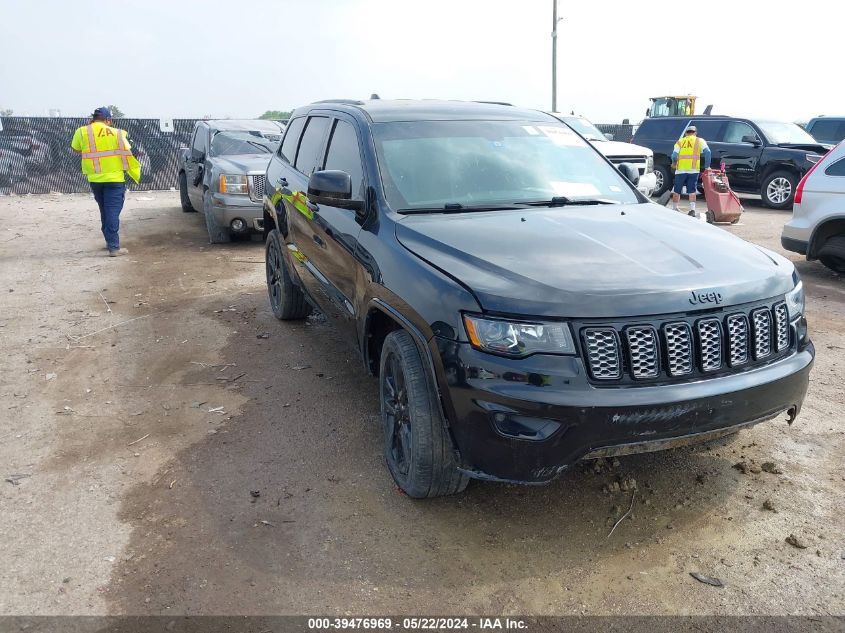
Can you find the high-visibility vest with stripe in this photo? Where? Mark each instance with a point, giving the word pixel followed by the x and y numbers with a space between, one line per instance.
pixel 689 153
pixel 106 154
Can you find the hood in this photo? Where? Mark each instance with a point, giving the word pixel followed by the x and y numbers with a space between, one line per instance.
pixel 242 163
pixel 818 148
pixel 618 148
pixel 598 261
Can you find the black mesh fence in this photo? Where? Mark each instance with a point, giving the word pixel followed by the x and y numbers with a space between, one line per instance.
pixel 35 154
pixel 621 131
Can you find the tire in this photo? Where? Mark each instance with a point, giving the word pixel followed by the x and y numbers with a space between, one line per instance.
pixel 778 190
pixel 187 207
pixel 417 447
pixel 832 253
pixel 216 234
pixel 286 299
pixel 711 217
pixel 664 179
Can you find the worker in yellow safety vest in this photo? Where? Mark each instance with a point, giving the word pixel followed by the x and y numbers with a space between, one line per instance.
pixel 106 155
pixel 686 161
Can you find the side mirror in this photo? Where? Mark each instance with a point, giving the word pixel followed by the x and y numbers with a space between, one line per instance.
pixel 609 137
pixel 332 188
pixel 751 138
pixel 630 172
pixel 197 156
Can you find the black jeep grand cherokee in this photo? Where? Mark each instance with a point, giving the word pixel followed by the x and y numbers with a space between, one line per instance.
pixel 521 303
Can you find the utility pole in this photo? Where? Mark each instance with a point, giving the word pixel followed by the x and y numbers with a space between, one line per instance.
pixel 555 20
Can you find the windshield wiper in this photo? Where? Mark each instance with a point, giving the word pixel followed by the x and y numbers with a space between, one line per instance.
pixel 561 201
pixel 261 146
pixel 457 207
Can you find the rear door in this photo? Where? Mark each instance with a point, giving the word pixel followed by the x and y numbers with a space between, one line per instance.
pixel 195 162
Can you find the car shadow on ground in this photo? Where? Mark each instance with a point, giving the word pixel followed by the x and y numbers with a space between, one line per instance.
pixel 289 501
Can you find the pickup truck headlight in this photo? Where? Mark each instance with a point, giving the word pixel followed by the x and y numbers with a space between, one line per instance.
pixel 517 339
pixel 649 164
pixel 236 184
pixel 795 301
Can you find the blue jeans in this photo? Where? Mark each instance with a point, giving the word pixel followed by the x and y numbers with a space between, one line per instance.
pixel 690 180
pixel 109 197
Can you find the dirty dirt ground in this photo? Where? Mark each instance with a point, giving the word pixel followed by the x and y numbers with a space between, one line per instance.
pixel 168 447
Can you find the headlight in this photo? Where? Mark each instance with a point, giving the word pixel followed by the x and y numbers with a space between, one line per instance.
pixel 510 338
pixel 813 158
pixel 795 301
pixel 649 164
pixel 230 183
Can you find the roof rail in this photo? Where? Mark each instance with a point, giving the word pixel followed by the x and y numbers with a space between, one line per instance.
pixel 504 103
pixel 346 101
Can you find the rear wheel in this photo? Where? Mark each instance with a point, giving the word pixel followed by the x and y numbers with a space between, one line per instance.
pixel 417 447
pixel 663 175
pixel 216 234
pixel 187 207
pixel 832 254
pixel 286 299
pixel 778 190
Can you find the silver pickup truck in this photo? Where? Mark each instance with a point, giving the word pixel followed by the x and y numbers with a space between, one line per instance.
pixel 223 171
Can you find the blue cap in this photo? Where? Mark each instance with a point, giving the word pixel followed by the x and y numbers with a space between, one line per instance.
pixel 103 112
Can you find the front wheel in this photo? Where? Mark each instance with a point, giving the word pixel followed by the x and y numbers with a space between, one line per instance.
pixel 832 253
pixel 286 298
pixel 778 190
pixel 417 447
pixel 663 175
pixel 187 207
pixel 216 234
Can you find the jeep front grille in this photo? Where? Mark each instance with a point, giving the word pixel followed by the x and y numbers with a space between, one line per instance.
pixel 762 320
pixel 642 347
pixel 687 346
pixel 602 346
pixel 256 187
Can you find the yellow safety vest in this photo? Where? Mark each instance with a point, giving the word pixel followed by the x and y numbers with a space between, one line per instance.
pixel 689 153
pixel 106 153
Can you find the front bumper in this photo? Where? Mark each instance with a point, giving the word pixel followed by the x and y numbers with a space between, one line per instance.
pixel 227 208
pixel 647 184
pixel 592 420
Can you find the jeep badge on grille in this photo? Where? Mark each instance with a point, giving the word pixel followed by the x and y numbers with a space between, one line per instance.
pixel 705 297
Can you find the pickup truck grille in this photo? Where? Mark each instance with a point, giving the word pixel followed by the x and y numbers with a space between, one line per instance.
pixel 687 347
pixel 638 161
pixel 256 187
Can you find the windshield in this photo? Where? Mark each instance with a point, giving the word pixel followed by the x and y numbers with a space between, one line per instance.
pixel 235 143
pixel 584 128
pixel 429 164
pixel 778 132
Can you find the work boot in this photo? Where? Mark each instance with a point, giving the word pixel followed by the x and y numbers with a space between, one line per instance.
pixel 116 252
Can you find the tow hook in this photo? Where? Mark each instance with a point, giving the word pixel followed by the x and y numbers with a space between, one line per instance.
pixel 791 413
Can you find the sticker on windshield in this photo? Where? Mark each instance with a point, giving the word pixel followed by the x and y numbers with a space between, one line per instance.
pixel 574 189
pixel 530 129
pixel 559 135
pixel 615 188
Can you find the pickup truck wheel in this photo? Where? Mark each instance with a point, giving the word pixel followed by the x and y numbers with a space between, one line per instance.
pixel 832 254
pixel 187 207
pixel 417 447
pixel 286 299
pixel 663 176
pixel 778 190
pixel 216 234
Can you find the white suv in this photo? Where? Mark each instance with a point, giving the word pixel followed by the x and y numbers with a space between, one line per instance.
pixel 616 152
pixel 817 227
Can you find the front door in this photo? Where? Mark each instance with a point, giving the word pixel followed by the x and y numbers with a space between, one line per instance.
pixel 740 157
pixel 194 165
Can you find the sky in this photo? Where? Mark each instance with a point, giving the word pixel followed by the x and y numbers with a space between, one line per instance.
pixel 219 58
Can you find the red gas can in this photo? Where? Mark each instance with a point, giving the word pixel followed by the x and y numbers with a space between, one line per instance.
pixel 723 205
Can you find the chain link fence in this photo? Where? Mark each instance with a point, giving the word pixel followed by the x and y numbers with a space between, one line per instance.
pixel 35 154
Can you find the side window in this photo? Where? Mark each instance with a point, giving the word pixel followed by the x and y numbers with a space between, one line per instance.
pixel 824 130
pixel 736 130
pixel 660 130
pixel 344 154
pixel 836 169
pixel 311 144
pixel 287 150
pixel 710 130
pixel 198 144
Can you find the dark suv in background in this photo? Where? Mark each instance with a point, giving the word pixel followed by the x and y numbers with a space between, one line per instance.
pixel 521 303
pixel 761 157
pixel 827 129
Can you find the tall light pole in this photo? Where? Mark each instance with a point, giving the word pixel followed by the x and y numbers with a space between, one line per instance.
pixel 555 20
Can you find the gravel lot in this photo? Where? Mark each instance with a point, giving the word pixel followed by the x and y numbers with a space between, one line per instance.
pixel 161 458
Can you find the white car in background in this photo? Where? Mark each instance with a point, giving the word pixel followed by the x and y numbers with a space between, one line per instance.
pixel 817 227
pixel 616 152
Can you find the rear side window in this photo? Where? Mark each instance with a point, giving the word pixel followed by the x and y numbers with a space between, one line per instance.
pixel 660 130
pixel 312 143
pixel 198 145
pixel 343 154
pixel 836 169
pixel 294 130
